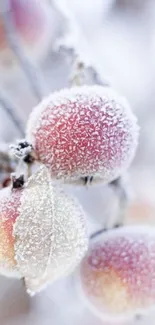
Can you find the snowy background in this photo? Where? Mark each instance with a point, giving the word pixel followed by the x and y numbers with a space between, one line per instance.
pixel 118 38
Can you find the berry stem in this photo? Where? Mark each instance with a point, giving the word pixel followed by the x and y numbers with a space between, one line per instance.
pixel 78 75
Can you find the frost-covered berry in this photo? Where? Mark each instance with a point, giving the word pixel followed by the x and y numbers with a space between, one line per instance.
pixel 42 234
pixel 117 277
pixel 9 204
pixel 84 131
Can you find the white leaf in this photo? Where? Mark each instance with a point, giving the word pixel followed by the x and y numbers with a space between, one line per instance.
pixel 50 232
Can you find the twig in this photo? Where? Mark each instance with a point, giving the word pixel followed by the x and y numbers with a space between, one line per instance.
pixel 96 77
pixel 121 190
pixel 7 166
pixel 9 108
pixel 85 74
pixel 31 72
pixel 82 71
pixel 78 75
pixel 97 233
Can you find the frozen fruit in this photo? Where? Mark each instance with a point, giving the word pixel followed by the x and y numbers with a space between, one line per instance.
pixel 84 131
pixel 9 204
pixel 117 276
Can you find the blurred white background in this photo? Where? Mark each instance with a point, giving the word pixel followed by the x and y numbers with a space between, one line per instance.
pixel 118 38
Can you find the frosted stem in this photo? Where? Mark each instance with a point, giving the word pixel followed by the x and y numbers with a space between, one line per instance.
pixel 31 72
pixel 97 233
pixel 78 75
pixel 85 74
pixel 122 192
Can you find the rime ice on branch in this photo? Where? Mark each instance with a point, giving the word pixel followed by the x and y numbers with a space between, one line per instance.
pixel 84 131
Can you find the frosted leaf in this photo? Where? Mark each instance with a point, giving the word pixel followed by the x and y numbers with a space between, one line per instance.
pixel 50 233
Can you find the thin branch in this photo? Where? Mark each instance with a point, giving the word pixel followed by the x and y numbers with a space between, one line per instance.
pixel 82 71
pixel 121 189
pixel 33 75
pixel 97 233
pixel 85 74
pixel 96 78
pixel 10 110
pixel 79 74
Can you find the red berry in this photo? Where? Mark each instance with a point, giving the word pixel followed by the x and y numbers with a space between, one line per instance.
pixel 9 204
pixel 118 274
pixel 83 131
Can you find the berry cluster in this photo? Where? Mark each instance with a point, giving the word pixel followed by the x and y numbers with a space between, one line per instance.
pixel 86 132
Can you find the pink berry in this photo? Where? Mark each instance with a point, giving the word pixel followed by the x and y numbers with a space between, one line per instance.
pixel 118 274
pixel 31 20
pixel 84 131
pixel 42 233
pixel 9 204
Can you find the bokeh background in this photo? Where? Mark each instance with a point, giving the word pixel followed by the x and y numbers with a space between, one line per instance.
pixel 117 37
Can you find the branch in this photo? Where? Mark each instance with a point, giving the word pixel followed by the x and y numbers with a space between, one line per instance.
pixel 83 72
pixel 10 110
pixel 120 188
pixel 7 166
